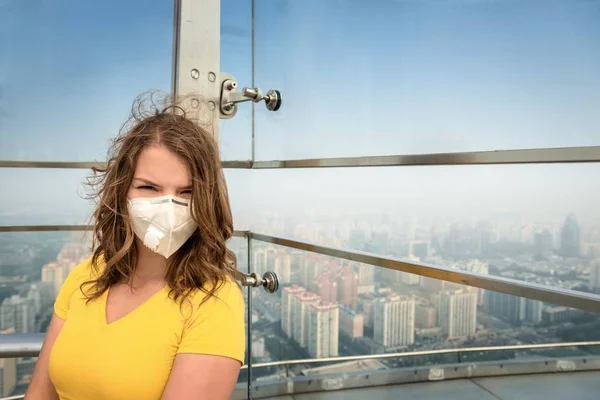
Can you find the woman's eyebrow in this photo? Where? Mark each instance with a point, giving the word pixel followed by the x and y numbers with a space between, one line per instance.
pixel 146 181
pixel 149 182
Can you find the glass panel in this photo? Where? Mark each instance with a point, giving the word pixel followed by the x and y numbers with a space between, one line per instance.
pixel 240 247
pixel 396 77
pixel 69 72
pixel 537 222
pixel 327 307
pixel 44 196
pixel 235 135
pixel 29 262
pixel 33 266
pixel 48 196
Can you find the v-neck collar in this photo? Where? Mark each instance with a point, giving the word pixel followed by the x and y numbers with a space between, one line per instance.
pixel 130 313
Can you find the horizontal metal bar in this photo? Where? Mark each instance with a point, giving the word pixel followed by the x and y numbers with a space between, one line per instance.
pixel 234 164
pixel 51 164
pixel 555 295
pixel 14 345
pixel 321 385
pixel 526 156
pixel 240 234
pixel 583 154
pixel 239 164
pixel 69 228
pixel 29 345
pixel 45 228
pixel 426 353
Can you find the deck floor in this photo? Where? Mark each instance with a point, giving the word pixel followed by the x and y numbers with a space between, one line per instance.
pixel 560 386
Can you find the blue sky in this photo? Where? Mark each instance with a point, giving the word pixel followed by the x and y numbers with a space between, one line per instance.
pixel 359 78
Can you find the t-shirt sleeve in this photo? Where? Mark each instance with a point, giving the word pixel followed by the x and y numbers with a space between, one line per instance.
pixel 71 287
pixel 217 326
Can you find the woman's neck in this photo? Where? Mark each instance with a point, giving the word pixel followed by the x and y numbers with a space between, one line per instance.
pixel 150 266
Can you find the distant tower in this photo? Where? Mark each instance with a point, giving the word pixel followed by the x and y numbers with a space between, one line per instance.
pixel 544 245
pixel 570 242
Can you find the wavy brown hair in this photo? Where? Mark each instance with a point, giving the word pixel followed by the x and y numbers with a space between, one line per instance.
pixel 204 262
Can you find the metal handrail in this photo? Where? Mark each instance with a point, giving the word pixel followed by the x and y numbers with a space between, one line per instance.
pixel 554 295
pixel 496 157
pixel 15 345
pixel 30 344
pixel 577 154
pixel 425 353
pixel 70 228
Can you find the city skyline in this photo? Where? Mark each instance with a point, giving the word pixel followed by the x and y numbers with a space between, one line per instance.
pixel 342 308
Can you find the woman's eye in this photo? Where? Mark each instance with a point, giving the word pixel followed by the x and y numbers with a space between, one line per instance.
pixel 186 192
pixel 146 187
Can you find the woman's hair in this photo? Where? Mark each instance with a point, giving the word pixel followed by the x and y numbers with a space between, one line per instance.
pixel 204 261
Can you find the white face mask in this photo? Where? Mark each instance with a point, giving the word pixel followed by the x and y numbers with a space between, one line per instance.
pixel 163 223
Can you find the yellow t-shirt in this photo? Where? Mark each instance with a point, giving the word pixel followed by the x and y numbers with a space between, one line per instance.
pixel 132 357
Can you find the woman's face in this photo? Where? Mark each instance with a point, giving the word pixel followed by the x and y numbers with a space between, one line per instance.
pixel 159 172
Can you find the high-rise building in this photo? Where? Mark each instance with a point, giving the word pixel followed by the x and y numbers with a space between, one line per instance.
pixel 348 287
pixel 365 274
pixel 425 316
pixel 505 305
pixel 351 323
pixel 300 308
pixel 311 270
pixel 409 279
pixel 287 308
pixel 379 243
pixel 323 333
pixel 283 267
pixel 8 376
pixel 41 293
pixel 368 310
pixel 18 313
pixel 394 323
pixel 570 241
pixel 259 262
pixel 327 287
pixel 357 240
pixel 513 308
pixel 73 252
pixel 55 274
pixel 457 315
pixel 419 249
pixel 533 311
pixel 544 245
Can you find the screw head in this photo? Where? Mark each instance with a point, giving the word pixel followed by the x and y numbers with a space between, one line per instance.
pixel 195 73
pixel 194 103
pixel 211 105
pixel 212 76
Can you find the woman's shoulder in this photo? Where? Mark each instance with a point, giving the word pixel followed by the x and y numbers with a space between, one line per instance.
pixel 225 291
pixel 87 269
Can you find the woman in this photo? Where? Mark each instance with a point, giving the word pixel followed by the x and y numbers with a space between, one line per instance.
pixel 155 313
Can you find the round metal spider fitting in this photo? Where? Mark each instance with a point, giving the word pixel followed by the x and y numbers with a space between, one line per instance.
pixel 273 100
pixel 270 282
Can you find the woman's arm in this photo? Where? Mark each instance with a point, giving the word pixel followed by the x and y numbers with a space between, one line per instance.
pixel 202 377
pixel 41 387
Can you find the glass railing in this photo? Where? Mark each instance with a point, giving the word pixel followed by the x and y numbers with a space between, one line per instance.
pixel 418 274
pixel 341 318
pixel 345 318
